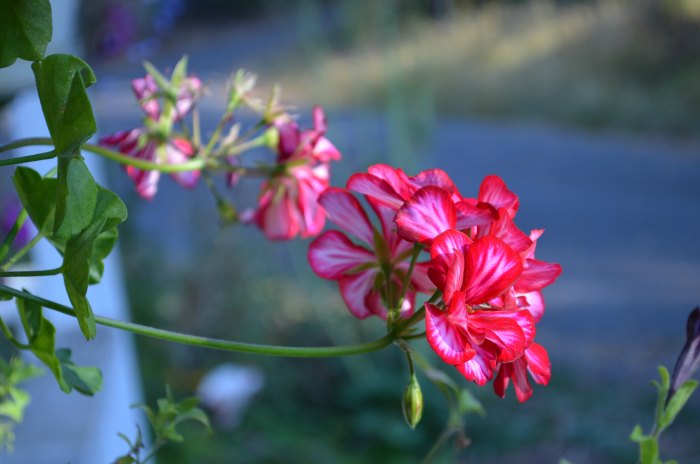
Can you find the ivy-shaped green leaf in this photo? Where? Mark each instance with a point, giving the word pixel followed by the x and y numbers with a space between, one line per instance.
pixel 38 196
pixel 41 340
pixel 62 81
pixel 87 380
pixel 78 255
pixel 25 30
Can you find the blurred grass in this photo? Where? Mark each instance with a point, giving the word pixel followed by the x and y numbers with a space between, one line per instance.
pixel 603 64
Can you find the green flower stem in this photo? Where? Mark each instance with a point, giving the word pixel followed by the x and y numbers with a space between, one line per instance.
pixel 22 251
pixel 417 247
pixel 28 159
pixel 12 234
pixel 196 164
pixel 214 343
pixel 44 272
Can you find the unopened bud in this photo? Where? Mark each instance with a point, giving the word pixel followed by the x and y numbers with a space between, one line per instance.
pixel 413 403
pixel 271 137
pixel 689 360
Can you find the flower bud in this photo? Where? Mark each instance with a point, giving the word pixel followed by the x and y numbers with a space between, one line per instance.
pixel 413 403
pixel 689 359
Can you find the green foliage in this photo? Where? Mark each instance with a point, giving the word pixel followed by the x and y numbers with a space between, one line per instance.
pixel 41 341
pixel 666 411
pixel 25 30
pixel 164 422
pixel 83 253
pixel 13 400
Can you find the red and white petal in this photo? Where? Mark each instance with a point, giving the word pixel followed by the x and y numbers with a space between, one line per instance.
pixel 505 229
pixel 453 278
pixel 146 181
pixel 470 215
pixel 491 267
pixel 395 177
pixel 530 252
pixel 178 152
pixel 445 245
pixel 313 215
pixel 332 255
pixel 278 216
pixel 345 211
pixel 447 337
pixel 480 368
pixel 428 213
pixel 531 301
pixel 538 364
pixel 494 192
pixel 397 245
pixel 376 188
pixel 325 151
pixel 518 373
pixel 511 331
pixel 355 290
pixel 537 275
pixel 436 178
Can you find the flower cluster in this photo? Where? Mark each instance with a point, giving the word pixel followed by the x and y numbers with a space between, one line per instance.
pixel 288 202
pixel 153 142
pixel 288 205
pixel 483 265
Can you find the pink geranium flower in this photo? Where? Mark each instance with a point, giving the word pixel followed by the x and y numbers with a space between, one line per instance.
pixel 288 203
pixel 140 143
pixel 136 144
pixel 360 267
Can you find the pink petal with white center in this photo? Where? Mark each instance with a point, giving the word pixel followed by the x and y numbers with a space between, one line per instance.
pixel 145 90
pixel 447 332
pixel 470 215
pixel 319 117
pixel 314 217
pixel 325 151
pixel 427 214
pixel 511 331
pixel 453 278
pixel 445 245
pixel 179 151
pixel 355 290
pixel 531 301
pixel 395 177
pixel 436 178
pixel 505 229
pixel 375 188
pixel 332 255
pixel 277 215
pixel 494 192
pixel 345 211
pixel 480 368
pixel 537 275
pixel 538 363
pixel 491 267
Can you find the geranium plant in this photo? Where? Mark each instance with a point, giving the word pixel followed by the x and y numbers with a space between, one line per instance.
pixel 431 262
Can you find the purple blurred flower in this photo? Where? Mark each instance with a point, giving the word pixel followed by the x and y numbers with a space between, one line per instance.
pixel 689 359
pixel 10 212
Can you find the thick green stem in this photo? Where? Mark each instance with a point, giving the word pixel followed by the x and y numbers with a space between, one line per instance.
pixel 20 253
pixel 214 343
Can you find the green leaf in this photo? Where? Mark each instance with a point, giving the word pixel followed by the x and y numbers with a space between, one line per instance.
pixel 468 404
pixel 78 256
pixel 87 380
pixel 663 388
pixel 676 403
pixel 62 81
pixel 25 30
pixel 41 337
pixel 76 197
pixel 38 197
